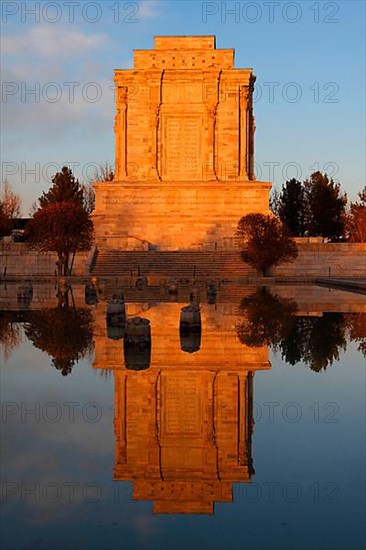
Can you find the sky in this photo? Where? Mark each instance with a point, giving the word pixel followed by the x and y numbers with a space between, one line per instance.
pixel 58 58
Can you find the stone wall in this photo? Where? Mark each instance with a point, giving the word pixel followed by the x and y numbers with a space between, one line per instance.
pixel 326 259
pixel 314 260
pixel 174 217
pixel 17 260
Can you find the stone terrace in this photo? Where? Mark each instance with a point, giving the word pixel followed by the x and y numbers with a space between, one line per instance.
pixel 170 264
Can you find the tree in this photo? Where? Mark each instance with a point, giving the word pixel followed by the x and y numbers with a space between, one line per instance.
pixel 63 227
pixel 62 222
pixel 65 188
pixel 89 197
pixel 264 241
pixel 326 213
pixel 10 209
pixel 103 172
pixel 5 222
pixel 290 206
pixel 356 219
pixel 33 209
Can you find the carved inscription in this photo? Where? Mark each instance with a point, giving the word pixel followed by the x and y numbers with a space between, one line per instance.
pixel 182 148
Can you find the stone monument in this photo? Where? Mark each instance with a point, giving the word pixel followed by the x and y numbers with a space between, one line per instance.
pixel 184 166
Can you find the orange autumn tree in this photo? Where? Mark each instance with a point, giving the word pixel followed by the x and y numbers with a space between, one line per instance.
pixel 356 219
pixel 264 241
pixel 62 223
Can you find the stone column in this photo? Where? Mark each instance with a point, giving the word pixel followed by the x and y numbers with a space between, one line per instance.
pixel 211 145
pixel 211 100
pixel 251 157
pixel 243 132
pixel 120 129
pixel 251 125
pixel 155 98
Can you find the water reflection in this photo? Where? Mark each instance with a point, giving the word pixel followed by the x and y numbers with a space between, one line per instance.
pixel 137 344
pixel 183 421
pixel 266 318
pixel 10 333
pixel 91 294
pixel 183 438
pixel 25 295
pixel 116 317
pixel 184 425
pixel 64 332
pixel 315 339
pixel 190 328
pixel 356 323
pixel 179 436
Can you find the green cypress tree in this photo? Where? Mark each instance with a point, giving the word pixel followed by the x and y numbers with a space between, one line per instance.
pixel 326 213
pixel 291 207
pixel 65 188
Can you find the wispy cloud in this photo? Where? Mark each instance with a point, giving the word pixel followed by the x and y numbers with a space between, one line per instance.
pixel 52 41
pixel 149 9
pixel 53 54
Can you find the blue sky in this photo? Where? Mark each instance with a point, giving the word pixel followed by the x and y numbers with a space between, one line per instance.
pixel 309 58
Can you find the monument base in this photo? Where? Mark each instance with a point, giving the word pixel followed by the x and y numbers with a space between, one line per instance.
pixel 174 216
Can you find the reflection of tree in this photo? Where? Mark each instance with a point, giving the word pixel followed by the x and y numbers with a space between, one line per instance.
pixel 10 334
pixel 316 341
pixel 64 333
pixel 267 318
pixel 356 324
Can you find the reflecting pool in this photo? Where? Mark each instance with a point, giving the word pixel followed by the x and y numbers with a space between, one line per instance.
pixel 203 417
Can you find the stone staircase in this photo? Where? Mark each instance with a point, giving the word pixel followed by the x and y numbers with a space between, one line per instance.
pixel 177 265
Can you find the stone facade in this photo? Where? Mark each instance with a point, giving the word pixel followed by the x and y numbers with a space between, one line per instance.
pixel 184 130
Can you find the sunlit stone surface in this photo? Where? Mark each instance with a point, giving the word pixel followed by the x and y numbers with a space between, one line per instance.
pixel 184 150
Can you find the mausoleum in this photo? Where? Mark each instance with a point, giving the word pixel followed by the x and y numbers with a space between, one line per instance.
pixel 184 166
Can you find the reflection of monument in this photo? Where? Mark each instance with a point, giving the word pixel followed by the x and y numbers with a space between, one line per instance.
pixel 184 426
pixel 184 149
pixel 183 437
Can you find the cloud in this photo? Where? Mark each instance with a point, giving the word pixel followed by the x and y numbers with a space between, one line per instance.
pixel 48 58
pixel 149 9
pixel 52 41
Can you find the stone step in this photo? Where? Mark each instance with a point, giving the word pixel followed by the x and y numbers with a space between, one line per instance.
pixel 170 264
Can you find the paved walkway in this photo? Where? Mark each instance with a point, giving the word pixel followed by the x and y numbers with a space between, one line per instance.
pixel 354 285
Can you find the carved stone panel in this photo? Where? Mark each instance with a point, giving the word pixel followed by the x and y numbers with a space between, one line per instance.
pixel 182 147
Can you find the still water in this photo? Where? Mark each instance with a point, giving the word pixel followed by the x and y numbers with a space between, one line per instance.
pixel 236 423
